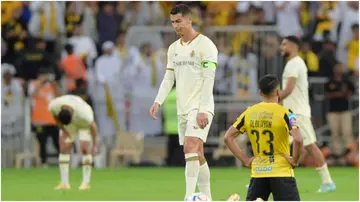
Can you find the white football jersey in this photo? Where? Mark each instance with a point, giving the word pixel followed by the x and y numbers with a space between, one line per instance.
pixel 185 59
pixel 83 114
pixel 298 100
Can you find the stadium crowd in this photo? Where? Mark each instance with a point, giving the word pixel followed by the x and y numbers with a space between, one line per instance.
pixel 76 47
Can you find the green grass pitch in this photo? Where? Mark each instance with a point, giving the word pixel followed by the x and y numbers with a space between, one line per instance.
pixel 160 184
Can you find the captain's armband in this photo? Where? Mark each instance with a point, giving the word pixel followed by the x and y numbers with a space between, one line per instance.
pixel 208 64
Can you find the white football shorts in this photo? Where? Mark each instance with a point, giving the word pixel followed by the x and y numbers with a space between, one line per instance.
pixel 306 130
pixel 84 135
pixel 188 126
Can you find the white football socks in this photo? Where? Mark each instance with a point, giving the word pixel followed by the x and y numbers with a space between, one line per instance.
pixel 192 168
pixel 86 166
pixel 64 160
pixel 324 174
pixel 204 180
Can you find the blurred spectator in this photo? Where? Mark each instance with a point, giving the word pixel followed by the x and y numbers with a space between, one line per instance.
pixel 146 78
pixel 42 91
pixel 34 58
pixel 353 48
pixel 157 16
pixel 242 37
pixel 324 21
pixel 12 110
pixel 310 58
pixel 81 90
pixel 339 90
pixel 47 21
pixel 14 32
pixel 12 93
pixel 108 23
pixel 3 48
pixel 129 55
pixel 221 13
pixel 137 13
pixel 72 18
pixel 269 11
pixel 305 16
pixel 83 46
pixel 73 67
pixel 26 14
pixel 244 73
pixel 223 71
pixel 89 22
pixel 271 61
pixel 347 13
pixel 327 59
pixel 108 70
pixel 287 17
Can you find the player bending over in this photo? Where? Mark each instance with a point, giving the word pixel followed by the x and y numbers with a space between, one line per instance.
pixel 268 125
pixel 74 116
pixel 192 61
pixel 295 96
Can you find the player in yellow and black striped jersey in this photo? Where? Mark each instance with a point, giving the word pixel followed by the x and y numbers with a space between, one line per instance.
pixel 268 125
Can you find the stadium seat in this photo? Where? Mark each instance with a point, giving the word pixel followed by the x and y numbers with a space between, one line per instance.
pixel 20 157
pixel 127 144
pixel 223 151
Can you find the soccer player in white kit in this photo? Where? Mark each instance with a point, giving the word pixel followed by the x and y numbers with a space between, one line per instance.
pixel 295 96
pixel 191 62
pixel 74 117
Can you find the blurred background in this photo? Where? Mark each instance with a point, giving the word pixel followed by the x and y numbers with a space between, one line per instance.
pixel 113 55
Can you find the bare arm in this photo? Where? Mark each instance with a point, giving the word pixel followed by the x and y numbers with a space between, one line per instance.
pixel 58 91
pixel 290 85
pixel 230 142
pixel 93 131
pixel 297 144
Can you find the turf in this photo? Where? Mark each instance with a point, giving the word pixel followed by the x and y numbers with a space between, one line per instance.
pixel 160 184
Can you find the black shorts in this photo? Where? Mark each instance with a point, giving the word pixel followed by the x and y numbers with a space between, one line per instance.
pixel 282 189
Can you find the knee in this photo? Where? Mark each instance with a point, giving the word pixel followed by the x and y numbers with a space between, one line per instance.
pixel 84 148
pixel 190 146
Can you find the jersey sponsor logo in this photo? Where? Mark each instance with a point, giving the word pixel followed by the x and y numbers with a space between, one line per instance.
pixel 184 63
pixel 292 119
pixel 263 169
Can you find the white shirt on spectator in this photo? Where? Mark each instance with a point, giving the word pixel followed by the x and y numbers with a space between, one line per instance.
pixel 35 24
pixel 288 18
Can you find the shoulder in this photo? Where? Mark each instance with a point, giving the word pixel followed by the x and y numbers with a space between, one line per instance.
pixel 204 40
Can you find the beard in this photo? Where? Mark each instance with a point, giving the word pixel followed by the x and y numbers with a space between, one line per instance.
pixel 286 55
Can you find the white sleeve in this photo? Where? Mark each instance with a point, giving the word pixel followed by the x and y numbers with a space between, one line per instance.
pixel 209 53
pixel 293 70
pixel 168 81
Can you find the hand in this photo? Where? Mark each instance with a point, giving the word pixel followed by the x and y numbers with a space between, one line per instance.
pixel 94 150
pixel 202 120
pixel 290 160
pixel 248 163
pixel 153 110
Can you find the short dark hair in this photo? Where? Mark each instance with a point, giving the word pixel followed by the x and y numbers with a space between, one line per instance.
pixel 181 9
pixel 293 39
pixel 64 116
pixel 268 84
pixel 69 48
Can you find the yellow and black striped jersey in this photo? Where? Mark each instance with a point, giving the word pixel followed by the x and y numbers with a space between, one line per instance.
pixel 268 126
